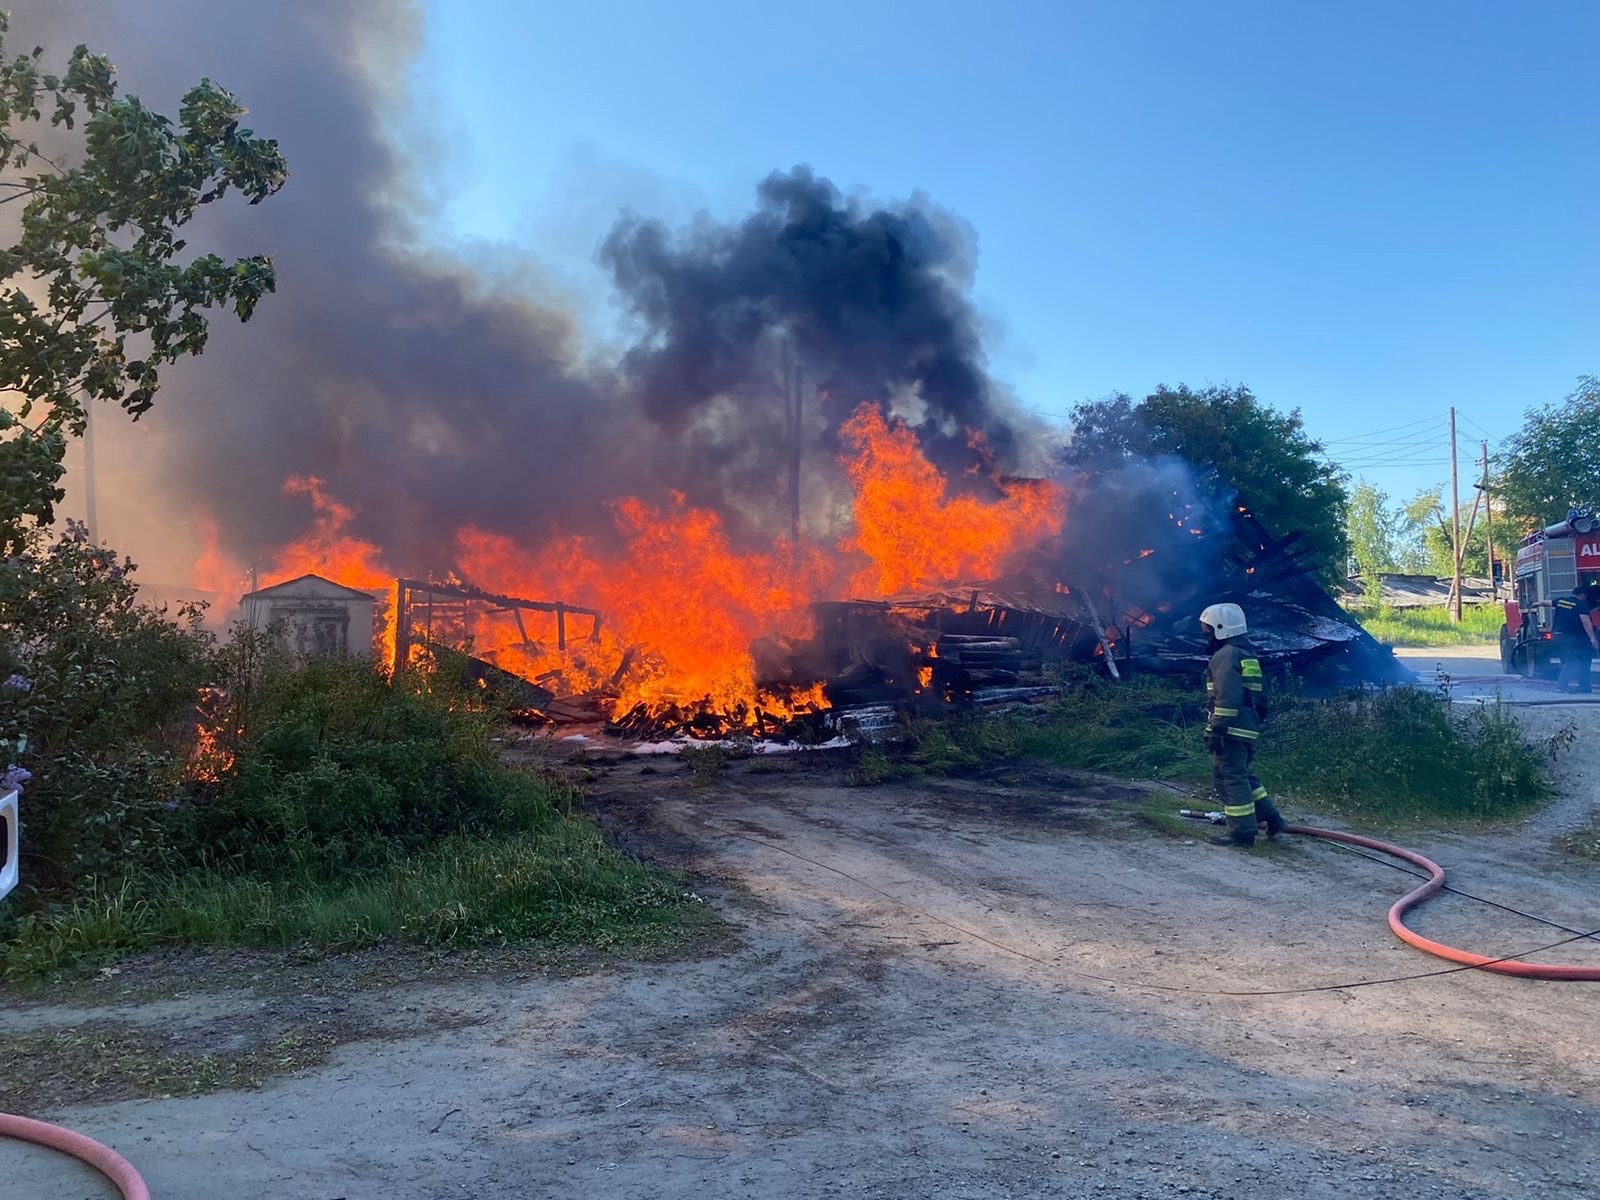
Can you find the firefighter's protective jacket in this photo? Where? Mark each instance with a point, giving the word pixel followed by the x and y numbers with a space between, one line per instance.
pixel 1237 692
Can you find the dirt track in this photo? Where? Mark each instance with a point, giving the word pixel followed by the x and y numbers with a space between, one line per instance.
pixel 855 1044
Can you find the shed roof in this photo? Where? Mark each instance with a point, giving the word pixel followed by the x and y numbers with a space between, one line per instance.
pixel 318 587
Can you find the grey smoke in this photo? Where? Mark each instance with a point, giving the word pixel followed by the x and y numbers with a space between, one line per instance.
pixel 429 399
pixel 871 301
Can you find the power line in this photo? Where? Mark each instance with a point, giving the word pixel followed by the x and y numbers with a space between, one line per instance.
pixel 1394 428
pixel 1491 437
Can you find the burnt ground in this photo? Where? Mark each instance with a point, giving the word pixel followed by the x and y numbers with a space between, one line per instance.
pixel 1002 986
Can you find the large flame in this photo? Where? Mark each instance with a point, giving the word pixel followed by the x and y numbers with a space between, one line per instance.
pixel 914 533
pixel 678 596
pixel 682 606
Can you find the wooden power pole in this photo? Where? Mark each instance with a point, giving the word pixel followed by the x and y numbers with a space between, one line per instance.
pixel 793 397
pixel 1455 511
pixel 1488 520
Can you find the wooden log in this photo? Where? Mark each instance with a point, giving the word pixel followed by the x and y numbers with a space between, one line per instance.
pixel 986 644
pixel 977 679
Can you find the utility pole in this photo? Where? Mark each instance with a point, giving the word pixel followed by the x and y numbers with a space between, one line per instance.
pixel 1488 520
pixel 792 396
pixel 1455 512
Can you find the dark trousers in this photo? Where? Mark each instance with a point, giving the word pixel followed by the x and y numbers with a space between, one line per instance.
pixel 1243 795
pixel 1576 656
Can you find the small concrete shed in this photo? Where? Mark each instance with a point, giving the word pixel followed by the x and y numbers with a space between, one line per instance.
pixel 317 616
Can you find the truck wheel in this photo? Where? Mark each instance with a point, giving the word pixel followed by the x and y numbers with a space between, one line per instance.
pixel 1508 650
pixel 1519 660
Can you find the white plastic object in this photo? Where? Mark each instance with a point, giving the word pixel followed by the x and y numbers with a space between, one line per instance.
pixel 10 869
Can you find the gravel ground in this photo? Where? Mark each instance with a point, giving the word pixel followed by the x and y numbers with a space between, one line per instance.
pixel 1001 987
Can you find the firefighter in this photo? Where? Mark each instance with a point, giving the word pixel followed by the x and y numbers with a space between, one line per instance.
pixel 1238 707
pixel 1576 638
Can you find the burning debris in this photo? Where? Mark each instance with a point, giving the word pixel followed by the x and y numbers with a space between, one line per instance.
pixel 775 495
pixel 684 635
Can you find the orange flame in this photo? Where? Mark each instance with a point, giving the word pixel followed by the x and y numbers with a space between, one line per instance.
pixel 683 609
pixel 918 536
pixel 212 756
pixel 679 596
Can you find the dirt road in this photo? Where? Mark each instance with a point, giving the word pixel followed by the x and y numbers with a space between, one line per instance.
pixel 919 1007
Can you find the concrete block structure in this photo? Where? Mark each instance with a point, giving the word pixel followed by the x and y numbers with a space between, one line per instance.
pixel 316 615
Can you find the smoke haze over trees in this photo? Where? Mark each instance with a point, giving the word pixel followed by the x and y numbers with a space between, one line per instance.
pixel 430 397
pixel 1276 468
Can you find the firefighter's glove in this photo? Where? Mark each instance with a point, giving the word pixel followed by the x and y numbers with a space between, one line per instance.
pixel 1215 740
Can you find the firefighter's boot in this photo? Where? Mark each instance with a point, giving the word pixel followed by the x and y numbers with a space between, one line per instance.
pixel 1241 832
pixel 1266 811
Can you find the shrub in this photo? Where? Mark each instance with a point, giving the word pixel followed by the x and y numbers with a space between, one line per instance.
pixel 95 689
pixel 1403 754
pixel 336 769
pixel 1398 754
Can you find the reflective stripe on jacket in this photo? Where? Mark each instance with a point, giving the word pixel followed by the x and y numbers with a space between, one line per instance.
pixel 1237 690
pixel 1567 613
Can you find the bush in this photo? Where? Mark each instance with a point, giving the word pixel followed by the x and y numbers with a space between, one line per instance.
pixel 334 769
pixel 95 692
pixel 321 802
pixel 1402 754
pixel 1395 755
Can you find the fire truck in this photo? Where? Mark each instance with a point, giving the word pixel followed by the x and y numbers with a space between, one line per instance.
pixel 1550 563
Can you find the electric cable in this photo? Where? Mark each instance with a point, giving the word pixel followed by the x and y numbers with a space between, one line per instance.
pixel 1437 418
pixel 1457 891
pixel 1479 962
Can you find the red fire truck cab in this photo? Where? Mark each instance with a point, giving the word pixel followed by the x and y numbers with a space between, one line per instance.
pixel 1550 563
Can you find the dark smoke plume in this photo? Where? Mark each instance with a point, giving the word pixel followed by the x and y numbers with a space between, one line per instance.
pixel 428 398
pixel 872 303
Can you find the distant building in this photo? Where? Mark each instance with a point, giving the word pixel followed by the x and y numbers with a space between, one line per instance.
pixel 316 615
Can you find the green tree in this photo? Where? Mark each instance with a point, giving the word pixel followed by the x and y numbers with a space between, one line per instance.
pixel 1553 462
pixel 1265 456
pixel 1428 519
pixel 98 292
pixel 1373 537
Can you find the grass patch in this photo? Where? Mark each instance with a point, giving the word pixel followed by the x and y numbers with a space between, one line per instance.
pixel 565 885
pixel 1584 843
pixel 1404 755
pixel 97 1065
pixel 1145 729
pixel 1400 755
pixel 353 811
pixel 1432 626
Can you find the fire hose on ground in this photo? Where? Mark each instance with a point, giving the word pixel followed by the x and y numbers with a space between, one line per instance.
pixel 122 1174
pixel 103 1159
pixel 1435 881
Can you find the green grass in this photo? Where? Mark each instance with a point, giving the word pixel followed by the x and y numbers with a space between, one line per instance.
pixel 1432 626
pixel 1584 843
pixel 564 885
pixel 1395 756
pixel 355 812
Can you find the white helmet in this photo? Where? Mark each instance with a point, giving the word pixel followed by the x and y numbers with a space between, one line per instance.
pixel 1224 620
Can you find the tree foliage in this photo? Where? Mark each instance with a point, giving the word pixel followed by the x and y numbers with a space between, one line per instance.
pixel 1432 532
pixel 1374 537
pixel 1265 456
pixel 1553 462
pixel 99 292
pixel 94 689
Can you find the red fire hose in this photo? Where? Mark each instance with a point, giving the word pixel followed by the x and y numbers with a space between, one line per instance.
pixel 107 1161
pixel 1504 966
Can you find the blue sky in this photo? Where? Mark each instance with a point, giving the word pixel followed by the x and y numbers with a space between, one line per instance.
pixel 1369 211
